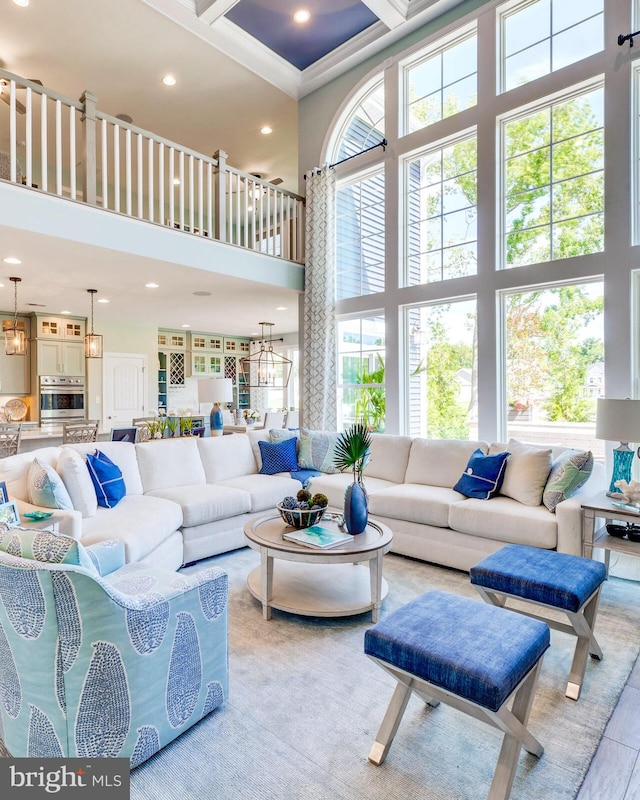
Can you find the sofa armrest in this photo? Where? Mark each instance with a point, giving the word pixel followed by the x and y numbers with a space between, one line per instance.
pixel 70 522
pixel 107 556
pixel 569 512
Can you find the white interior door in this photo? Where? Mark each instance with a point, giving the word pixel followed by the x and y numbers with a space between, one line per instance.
pixel 124 389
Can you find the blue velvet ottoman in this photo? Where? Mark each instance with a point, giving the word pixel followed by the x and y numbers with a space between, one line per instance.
pixel 470 656
pixel 558 581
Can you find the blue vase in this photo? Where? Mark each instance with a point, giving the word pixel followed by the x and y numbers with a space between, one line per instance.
pixel 356 508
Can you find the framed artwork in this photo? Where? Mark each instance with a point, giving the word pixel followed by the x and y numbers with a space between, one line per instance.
pixel 124 434
pixel 9 515
pixel 4 495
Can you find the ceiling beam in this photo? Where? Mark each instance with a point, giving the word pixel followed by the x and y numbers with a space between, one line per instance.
pixel 211 10
pixel 391 12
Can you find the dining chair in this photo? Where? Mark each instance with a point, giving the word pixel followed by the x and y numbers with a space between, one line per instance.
pixel 74 431
pixel 10 439
pixel 273 419
pixel 293 419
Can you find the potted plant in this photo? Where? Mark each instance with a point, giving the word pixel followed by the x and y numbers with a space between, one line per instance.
pixel 186 423
pixel 172 425
pixel 351 452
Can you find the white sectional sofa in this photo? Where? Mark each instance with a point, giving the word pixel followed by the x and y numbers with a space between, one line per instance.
pixel 188 498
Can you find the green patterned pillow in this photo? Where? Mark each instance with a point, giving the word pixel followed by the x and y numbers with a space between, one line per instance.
pixel 45 546
pixel 569 472
pixel 316 450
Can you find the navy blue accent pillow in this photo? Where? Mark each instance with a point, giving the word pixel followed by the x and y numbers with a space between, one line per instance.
pixel 483 475
pixel 278 457
pixel 107 479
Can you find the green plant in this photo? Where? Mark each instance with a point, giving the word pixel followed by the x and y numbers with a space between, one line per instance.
pixel 162 425
pixel 371 405
pixel 154 427
pixel 352 449
pixel 186 423
pixel 172 425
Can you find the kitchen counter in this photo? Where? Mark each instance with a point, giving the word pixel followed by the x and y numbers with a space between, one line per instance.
pixel 34 436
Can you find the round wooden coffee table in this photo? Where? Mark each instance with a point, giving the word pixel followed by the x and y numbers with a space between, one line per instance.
pixel 318 583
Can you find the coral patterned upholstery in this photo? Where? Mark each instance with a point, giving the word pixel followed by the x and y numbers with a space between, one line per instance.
pixel 108 666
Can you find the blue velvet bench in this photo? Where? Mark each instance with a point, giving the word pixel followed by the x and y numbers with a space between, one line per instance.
pixel 471 656
pixel 557 581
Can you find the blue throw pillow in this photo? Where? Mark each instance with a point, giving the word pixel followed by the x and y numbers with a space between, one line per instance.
pixel 278 457
pixel 107 479
pixel 483 475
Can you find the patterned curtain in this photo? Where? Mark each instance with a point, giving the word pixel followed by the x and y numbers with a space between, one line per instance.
pixel 319 349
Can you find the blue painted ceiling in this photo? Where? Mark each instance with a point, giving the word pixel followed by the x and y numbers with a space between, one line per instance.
pixel 332 23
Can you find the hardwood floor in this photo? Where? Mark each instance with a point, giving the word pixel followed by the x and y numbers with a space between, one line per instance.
pixel 614 773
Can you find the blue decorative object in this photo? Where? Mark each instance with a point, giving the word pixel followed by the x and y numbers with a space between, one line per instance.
pixel 107 479
pixel 622 461
pixel 280 457
pixel 356 508
pixel 215 419
pixel 483 475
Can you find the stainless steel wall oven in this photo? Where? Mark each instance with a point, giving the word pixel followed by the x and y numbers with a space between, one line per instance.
pixel 62 397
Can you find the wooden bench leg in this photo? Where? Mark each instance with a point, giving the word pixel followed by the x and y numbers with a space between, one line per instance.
pixel 390 722
pixel 515 737
pixel 583 623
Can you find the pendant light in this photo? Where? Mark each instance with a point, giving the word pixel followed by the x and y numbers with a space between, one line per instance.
pixel 266 369
pixel 92 341
pixel 15 338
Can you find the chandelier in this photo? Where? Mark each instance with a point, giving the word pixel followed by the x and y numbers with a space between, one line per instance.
pixel 15 337
pixel 92 341
pixel 265 369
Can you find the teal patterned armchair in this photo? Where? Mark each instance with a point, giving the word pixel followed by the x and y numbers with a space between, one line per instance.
pixel 103 660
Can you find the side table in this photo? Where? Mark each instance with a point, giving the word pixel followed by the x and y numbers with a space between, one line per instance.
pixel 602 507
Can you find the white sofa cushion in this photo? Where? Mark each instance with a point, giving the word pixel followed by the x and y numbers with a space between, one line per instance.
pixel 225 457
pixel 167 463
pixel 254 437
pixel 415 503
pixel 143 523
pixel 440 462
pixel 334 486
pixel 265 490
pixel 505 520
pixel 14 470
pixel 123 455
pixel 72 468
pixel 207 502
pixel 388 458
pixel 528 468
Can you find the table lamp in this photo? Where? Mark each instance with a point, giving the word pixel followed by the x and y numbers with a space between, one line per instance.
pixel 216 391
pixel 619 420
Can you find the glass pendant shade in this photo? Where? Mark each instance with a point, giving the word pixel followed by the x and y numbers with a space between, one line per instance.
pixel 266 369
pixel 15 337
pixel 92 341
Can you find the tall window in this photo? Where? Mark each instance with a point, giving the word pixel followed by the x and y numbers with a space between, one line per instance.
pixel 554 181
pixel 361 366
pixel 440 229
pixel 363 126
pixel 554 363
pixel 440 82
pixel 442 385
pixel 542 36
pixel 360 236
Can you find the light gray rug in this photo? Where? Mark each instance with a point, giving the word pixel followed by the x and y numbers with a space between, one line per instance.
pixel 305 704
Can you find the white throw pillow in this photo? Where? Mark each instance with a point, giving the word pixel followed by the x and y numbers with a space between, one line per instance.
pixel 72 468
pixel 46 488
pixel 528 468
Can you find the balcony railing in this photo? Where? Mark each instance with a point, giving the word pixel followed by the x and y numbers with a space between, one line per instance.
pixel 73 150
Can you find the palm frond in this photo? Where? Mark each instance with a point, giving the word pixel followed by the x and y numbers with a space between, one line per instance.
pixel 352 448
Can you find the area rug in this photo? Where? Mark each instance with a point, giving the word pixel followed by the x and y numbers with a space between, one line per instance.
pixel 305 704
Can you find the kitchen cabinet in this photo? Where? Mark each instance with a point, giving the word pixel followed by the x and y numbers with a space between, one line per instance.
pixel 206 364
pixel 206 341
pixel 15 373
pixel 70 328
pixel 172 340
pixel 60 357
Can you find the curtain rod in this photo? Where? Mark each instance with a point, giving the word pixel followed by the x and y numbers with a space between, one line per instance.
pixel 622 39
pixel 383 144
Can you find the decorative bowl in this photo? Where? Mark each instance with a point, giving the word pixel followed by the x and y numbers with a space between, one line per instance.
pixel 301 517
pixel 633 533
pixel 620 531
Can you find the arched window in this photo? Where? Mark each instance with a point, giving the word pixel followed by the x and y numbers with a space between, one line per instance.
pixel 362 125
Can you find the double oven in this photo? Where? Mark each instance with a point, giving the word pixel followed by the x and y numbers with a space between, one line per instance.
pixel 62 397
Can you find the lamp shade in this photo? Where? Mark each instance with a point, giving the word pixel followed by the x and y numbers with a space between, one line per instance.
pixel 215 390
pixel 618 420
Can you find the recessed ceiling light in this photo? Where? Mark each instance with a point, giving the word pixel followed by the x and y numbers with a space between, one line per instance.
pixel 21 3
pixel 266 130
pixel 281 308
pixel 185 326
pixel 169 80
pixel 301 16
pixel 65 312
pixel 103 300
pixel 202 294
pixel 12 260
pixel 1 285
pixel 176 181
pixel 151 285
